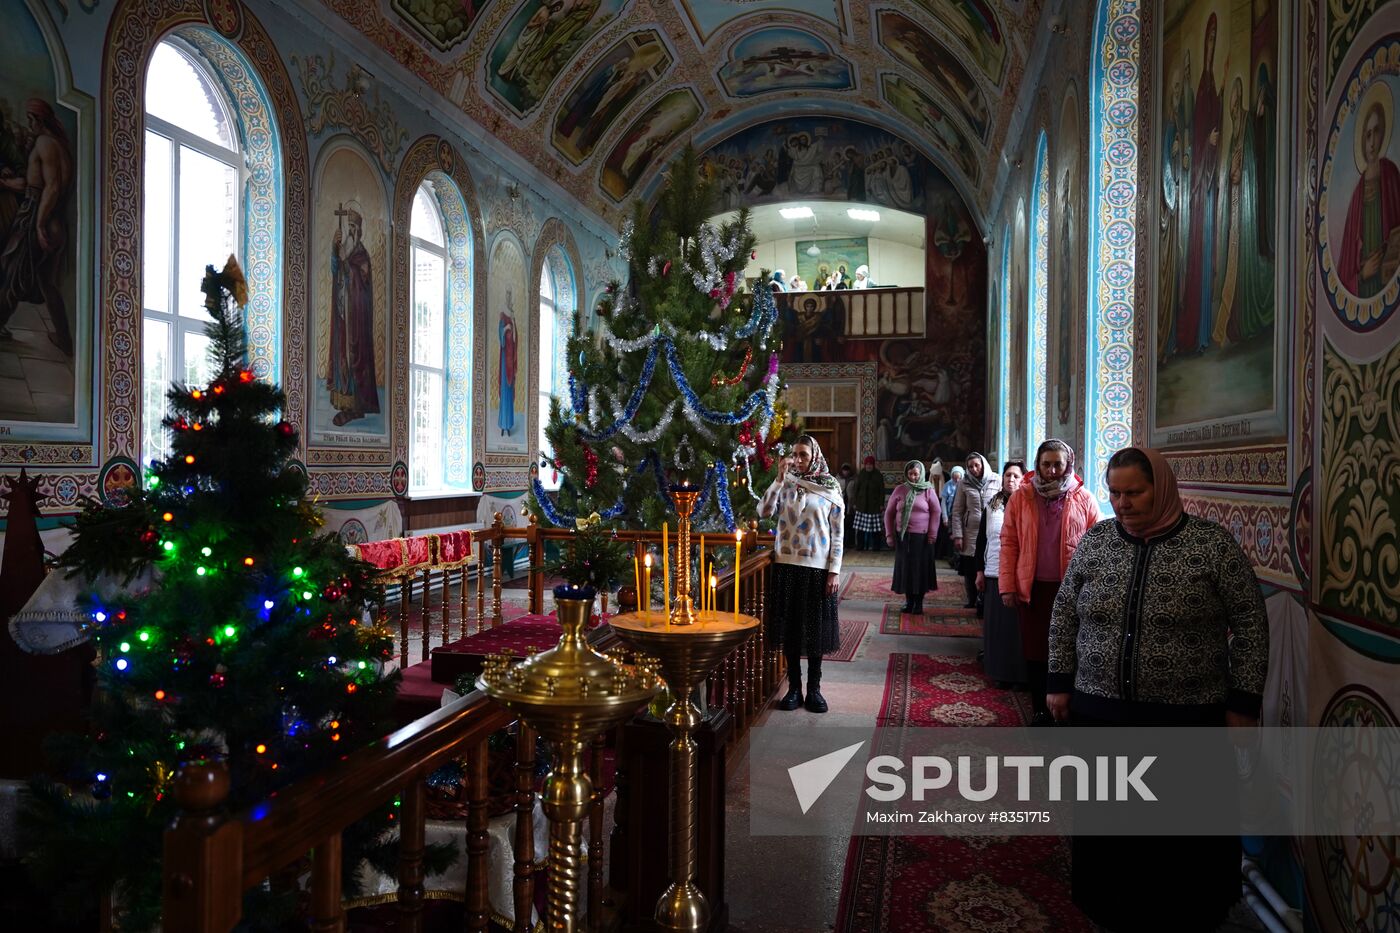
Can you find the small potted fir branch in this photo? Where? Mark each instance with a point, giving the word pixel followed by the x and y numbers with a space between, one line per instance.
pixel 593 560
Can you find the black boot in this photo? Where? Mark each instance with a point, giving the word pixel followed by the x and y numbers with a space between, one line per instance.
pixel 793 698
pixel 816 703
pixel 918 609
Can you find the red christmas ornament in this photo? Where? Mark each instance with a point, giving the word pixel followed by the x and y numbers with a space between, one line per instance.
pixel 149 536
pixel 590 464
pixel 666 269
pixel 217 680
pixel 285 428
pixel 753 254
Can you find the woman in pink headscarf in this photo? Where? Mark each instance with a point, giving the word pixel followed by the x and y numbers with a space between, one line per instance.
pixel 1159 621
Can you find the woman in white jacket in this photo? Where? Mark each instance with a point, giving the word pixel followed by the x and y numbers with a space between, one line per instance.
pixel 978 486
pixel 1001 631
pixel 806 500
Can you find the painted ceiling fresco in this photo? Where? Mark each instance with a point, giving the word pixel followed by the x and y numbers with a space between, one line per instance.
pixel 598 95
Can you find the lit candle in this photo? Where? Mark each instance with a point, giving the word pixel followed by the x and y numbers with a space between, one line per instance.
pixel 666 570
pixel 714 582
pixel 738 549
pixel 646 582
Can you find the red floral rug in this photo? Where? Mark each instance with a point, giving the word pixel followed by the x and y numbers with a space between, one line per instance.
pixel 957 623
pixel 875 587
pixel 852 634
pixel 947 884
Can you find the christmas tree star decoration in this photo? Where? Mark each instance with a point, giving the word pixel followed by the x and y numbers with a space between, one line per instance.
pixel 668 338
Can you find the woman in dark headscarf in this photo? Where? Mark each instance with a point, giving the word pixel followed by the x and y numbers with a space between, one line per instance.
pixel 911 525
pixel 807 546
pixel 868 501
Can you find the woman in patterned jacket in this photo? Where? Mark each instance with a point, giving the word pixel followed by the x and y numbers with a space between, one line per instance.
pixel 1159 621
pixel 806 499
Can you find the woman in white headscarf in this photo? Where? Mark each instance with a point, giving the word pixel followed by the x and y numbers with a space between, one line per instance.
pixel 976 489
pixel 862 277
pixel 807 547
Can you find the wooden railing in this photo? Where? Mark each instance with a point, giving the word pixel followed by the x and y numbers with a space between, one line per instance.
pixel 213 856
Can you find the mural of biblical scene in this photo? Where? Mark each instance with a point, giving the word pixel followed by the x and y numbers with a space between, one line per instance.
pixel 350 274
pixel 626 71
pixel 536 44
pixel 1362 202
pixel 817 157
pixel 977 27
pixel 444 23
pixel 932 117
pixel 909 42
pixel 1067 279
pixel 930 391
pixel 1215 338
pixel 508 393
pixel 707 16
pixel 648 136
pixel 783 59
pixel 41 356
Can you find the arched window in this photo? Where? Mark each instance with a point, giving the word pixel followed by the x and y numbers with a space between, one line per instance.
pixel 556 315
pixel 194 176
pixel 1037 333
pixel 1113 112
pixel 428 368
pixel 1004 352
pixel 439 367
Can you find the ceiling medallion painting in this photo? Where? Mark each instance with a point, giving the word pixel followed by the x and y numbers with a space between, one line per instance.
pixel 538 42
pixel 444 23
pixel 648 135
pixel 976 26
pixel 708 16
pixel 780 58
pixel 933 118
pixel 909 42
pixel 617 79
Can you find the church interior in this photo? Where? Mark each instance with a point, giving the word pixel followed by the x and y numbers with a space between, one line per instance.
pixel 348 346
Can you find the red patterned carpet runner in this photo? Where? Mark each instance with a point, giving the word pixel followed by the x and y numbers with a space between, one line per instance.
pixel 875 587
pixel 945 884
pixel 852 633
pixel 957 623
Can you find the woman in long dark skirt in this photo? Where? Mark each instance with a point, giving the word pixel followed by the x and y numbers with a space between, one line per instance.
pixel 911 526
pixel 807 547
pixel 1002 659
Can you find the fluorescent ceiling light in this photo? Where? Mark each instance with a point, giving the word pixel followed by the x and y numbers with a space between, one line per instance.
pixel 795 213
pixel 859 213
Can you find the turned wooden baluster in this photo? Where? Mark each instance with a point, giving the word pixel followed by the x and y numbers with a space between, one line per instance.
pixel 426 612
pixel 327 916
pixel 203 855
pixel 464 604
pixel 478 905
pixel 446 605
pixel 411 845
pixel 595 836
pixel 534 546
pixel 480 584
pixel 498 527
pixel 524 883
pixel 405 597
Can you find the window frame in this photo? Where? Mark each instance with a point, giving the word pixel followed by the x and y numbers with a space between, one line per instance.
pixel 415 243
pixel 549 311
pixel 178 325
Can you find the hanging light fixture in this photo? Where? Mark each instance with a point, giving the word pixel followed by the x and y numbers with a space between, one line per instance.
pixel 814 250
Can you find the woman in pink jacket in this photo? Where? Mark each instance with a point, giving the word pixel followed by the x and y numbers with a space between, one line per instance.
pixel 911 527
pixel 1045 519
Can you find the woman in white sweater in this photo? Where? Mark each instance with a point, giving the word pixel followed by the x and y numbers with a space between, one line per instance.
pixel 806 500
pixel 1001 631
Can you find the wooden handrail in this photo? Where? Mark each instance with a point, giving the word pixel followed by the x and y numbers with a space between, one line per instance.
pixel 287 824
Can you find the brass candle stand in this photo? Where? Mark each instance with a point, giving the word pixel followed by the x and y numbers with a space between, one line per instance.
pixel 687 645
pixel 568 694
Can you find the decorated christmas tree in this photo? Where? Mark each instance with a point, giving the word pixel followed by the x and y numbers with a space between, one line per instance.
pixel 236 632
pixel 681 382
